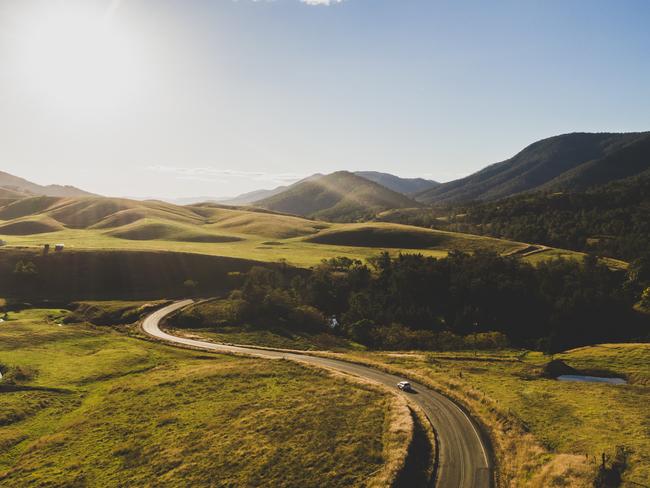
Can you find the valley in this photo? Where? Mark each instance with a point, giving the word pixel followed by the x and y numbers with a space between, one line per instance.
pixel 324 244
pixel 482 305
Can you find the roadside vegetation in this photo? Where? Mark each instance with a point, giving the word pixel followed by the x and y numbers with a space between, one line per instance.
pixel 236 320
pixel 111 312
pixel 82 405
pixel 547 432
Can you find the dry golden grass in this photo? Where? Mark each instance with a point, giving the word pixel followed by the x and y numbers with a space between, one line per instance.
pixel 398 431
pixel 521 458
pixel 543 430
pixel 565 470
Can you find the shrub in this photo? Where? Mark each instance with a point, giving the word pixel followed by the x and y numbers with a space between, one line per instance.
pixel 487 340
pixel 610 472
pixel 190 286
pixel 307 318
pixel 25 268
pixel 231 311
pixel 110 313
pixel 397 336
pixel 645 297
pixel 18 374
pixel 360 331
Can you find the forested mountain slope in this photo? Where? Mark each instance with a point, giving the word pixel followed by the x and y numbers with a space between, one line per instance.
pixel 568 162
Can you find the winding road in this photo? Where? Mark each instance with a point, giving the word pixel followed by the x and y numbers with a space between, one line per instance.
pixel 464 461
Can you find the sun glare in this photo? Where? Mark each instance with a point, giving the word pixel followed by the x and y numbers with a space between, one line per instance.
pixel 75 58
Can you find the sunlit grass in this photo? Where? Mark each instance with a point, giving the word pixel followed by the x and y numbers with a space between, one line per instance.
pixel 294 250
pixel 109 223
pixel 275 338
pixel 114 411
pixel 582 419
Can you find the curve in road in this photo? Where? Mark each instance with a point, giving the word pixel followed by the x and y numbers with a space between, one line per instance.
pixel 463 457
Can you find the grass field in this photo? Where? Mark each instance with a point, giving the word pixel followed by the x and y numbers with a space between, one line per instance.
pixel 114 312
pixel 92 223
pixel 81 405
pixel 572 423
pixel 217 320
pixel 275 338
pixel 547 432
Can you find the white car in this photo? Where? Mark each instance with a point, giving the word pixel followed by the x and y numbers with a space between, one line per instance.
pixel 404 386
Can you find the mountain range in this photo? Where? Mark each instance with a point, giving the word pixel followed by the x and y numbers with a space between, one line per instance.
pixel 569 162
pixel 406 186
pixel 565 163
pixel 15 187
pixel 340 196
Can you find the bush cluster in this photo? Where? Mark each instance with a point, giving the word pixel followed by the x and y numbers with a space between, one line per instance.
pixel 462 301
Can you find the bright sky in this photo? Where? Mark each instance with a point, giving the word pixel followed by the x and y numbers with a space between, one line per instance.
pixel 172 98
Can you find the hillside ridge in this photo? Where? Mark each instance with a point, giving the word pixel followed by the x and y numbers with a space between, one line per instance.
pixel 341 196
pixel 566 162
pixel 16 187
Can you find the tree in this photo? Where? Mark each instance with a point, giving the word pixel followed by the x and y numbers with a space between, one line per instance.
pixel 25 269
pixel 190 286
pixel 645 297
pixel 25 273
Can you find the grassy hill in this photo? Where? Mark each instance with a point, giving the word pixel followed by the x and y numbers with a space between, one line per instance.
pixel 34 225
pixel 383 235
pixel 339 197
pixel 406 186
pixel 13 186
pixel 106 224
pixel 151 229
pixel 567 162
pixel 88 406
pixel 253 196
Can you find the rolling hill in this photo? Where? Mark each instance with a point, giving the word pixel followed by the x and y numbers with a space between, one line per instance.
pixel 406 186
pixel 339 197
pixel 15 187
pixel 252 196
pixel 97 223
pixel 567 162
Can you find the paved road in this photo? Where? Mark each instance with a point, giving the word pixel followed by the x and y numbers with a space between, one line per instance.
pixel 464 461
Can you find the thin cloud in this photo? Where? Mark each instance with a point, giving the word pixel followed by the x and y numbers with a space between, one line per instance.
pixel 325 3
pixel 212 174
pixel 317 3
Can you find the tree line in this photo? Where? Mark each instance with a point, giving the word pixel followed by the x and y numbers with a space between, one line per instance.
pixel 611 220
pixel 463 300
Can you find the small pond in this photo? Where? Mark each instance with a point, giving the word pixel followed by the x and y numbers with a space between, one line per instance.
pixel 592 379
